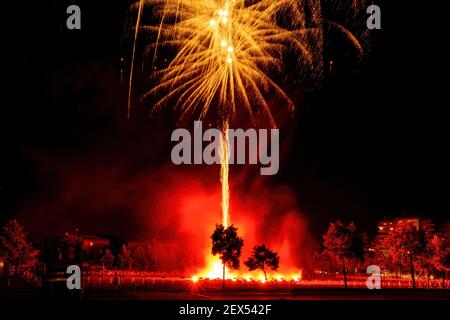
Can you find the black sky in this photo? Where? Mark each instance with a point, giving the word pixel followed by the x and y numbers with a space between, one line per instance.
pixel 367 144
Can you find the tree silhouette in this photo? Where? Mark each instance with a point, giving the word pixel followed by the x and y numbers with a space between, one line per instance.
pixel 343 242
pixel 107 260
pixel 125 260
pixel 18 254
pixel 228 245
pixel 263 258
pixel 141 258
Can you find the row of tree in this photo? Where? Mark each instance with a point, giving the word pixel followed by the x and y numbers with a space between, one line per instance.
pixel 115 255
pixel 20 258
pixel 228 246
pixel 405 248
pixel 137 259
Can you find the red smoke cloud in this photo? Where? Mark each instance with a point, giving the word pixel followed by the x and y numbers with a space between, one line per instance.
pixel 173 208
pixel 186 207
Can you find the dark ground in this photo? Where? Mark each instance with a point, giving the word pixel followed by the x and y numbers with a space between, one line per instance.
pixel 323 294
pixel 24 292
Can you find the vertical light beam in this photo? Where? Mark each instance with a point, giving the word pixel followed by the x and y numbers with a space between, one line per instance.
pixel 136 33
pixel 225 152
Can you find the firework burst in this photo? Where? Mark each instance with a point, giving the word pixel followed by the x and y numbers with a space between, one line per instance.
pixel 226 52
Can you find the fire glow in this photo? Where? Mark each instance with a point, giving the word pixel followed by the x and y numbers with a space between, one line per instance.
pixel 187 212
pixel 214 270
pixel 214 267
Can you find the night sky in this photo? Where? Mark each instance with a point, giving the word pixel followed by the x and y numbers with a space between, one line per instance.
pixel 370 141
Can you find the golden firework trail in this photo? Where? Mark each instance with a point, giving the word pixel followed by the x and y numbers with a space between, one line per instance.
pixel 136 33
pixel 224 176
pixel 224 53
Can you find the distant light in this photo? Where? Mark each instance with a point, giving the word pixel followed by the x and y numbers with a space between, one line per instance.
pixel 223 43
pixel 213 22
pixel 224 20
pixel 229 60
pixel 230 49
pixel 194 278
pixel 91 244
